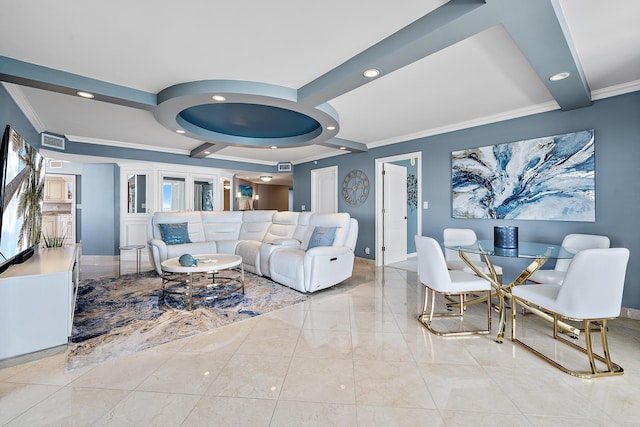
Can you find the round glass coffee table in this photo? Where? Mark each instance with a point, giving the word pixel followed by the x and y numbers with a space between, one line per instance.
pixel 196 276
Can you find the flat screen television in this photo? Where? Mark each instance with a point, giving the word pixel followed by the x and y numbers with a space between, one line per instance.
pixel 21 193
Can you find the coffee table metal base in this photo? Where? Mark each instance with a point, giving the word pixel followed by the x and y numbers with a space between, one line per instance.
pixel 180 280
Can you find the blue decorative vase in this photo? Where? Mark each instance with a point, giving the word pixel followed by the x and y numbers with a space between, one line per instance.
pixel 505 237
pixel 187 260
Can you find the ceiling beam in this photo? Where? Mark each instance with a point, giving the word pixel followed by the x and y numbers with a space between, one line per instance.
pixel 540 31
pixel 205 149
pixel 350 146
pixel 39 77
pixel 439 29
pixel 537 27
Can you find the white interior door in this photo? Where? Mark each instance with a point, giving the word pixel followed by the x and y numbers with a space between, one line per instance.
pixel 395 213
pixel 324 190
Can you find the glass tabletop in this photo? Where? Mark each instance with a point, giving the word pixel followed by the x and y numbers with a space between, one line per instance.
pixel 524 250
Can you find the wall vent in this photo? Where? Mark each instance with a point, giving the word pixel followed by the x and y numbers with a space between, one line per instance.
pixel 55 164
pixel 52 141
pixel 285 167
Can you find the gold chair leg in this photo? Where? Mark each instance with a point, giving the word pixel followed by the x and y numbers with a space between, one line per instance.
pixel 605 344
pixel 433 303
pixel 589 346
pixel 429 302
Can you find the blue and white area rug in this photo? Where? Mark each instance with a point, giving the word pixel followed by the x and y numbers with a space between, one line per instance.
pixel 115 317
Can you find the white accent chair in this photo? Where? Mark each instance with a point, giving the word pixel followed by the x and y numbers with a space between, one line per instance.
pixel 591 293
pixel 573 243
pixel 437 278
pixel 464 236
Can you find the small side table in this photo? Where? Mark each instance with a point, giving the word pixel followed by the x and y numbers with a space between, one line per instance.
pixel 138 249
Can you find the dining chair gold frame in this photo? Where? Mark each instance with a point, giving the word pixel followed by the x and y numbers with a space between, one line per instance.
pixel 437 279
pixel 591 293
pixel 594 372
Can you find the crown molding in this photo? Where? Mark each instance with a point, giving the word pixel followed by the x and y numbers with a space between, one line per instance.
pixel 616 90
pixel 522 112
pixel 23 104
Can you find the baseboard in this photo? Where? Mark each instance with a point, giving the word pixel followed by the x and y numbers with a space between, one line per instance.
pixel 631 313
pixel 30 357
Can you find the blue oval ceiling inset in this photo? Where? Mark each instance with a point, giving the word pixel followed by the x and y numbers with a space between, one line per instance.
pixel 250 120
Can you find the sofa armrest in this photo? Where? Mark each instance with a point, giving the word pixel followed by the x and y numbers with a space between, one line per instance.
pixel 158 247
pixel 326 266
pixel 286 242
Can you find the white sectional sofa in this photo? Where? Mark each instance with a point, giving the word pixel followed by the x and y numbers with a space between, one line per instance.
pixel 271 243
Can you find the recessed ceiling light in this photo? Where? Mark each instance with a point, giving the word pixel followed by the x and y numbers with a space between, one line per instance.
pixel 274 147
pixel 207 152
pixel 331 128
pixel 343 148
pixel 266 178
pixel 371 73
pixel 218 98
pixel 85 94
pixel 559 76
pixel 179 131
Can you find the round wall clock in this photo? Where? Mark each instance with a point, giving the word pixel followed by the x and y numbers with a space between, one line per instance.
pixel 355 187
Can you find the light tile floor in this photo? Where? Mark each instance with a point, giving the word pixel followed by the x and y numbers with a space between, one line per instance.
pixel 354 355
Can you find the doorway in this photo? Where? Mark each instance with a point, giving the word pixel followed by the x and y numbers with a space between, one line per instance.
pixel 324 190
pixel 59 210
pixel 398 214
pixel 226 194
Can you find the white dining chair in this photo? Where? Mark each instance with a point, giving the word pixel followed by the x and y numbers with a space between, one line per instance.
pixel 574 243
pixel 464 236
pixel 437 278
pixel 591 293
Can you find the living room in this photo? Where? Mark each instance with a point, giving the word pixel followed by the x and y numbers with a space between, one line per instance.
pixel 612 114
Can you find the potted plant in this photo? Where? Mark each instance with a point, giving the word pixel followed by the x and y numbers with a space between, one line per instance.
pixel 53 241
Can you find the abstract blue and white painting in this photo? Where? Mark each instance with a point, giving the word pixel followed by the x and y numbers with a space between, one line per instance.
pixel 548 178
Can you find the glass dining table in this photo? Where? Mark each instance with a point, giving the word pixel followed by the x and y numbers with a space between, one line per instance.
pixel 538 253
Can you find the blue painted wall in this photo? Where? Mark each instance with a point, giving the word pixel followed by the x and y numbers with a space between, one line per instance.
pixel 616 121
pixel 100 226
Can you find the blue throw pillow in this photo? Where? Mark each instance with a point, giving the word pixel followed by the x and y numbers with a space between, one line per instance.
pixel 322 236
pixel 175 234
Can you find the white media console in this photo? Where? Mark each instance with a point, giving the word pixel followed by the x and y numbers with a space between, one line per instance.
pixel 37 301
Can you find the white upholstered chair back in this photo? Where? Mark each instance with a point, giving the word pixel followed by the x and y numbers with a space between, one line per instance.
pixel 432 267
pixel 459 236
pixel 580 242
pixel 593 285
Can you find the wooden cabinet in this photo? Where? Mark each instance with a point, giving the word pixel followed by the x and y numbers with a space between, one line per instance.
pixel 48 225
pixel 54 190
pixel 58 225
pixel 58 190
pixel 37 301
pixel 64 227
